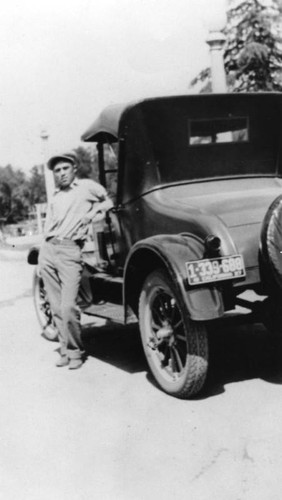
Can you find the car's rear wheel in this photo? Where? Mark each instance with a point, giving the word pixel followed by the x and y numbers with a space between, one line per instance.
pixel 42 308
pixel 176 348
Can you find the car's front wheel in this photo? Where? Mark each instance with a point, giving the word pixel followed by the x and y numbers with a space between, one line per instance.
pixel 42 308
pixel 176 347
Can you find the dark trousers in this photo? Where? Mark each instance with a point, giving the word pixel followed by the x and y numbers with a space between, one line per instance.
pixel 61 268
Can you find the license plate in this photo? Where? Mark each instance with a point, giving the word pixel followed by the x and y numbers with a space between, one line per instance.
pixel 216 269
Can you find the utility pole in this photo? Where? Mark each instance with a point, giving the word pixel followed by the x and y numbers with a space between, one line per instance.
pixel 48 176
pixel 216 40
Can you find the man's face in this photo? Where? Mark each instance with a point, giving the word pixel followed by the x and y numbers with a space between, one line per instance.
pixel 64 173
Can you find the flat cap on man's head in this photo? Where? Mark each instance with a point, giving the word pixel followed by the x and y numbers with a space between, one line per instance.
pixel 70 157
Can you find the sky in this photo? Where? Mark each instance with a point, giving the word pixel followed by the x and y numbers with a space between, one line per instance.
pixel 63 61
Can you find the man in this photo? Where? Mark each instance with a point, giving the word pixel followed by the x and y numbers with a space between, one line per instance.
pixel 73 207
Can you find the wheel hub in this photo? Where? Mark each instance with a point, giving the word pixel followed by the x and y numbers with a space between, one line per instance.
pixel 165 332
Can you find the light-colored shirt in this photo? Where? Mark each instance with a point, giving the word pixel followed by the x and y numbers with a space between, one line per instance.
pixel 68 208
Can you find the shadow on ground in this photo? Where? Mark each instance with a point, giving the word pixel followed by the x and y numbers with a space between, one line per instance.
pixel 239 353
pixel 236 353
pixel 116 344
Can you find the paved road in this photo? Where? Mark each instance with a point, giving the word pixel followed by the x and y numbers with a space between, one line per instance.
pixel 106 432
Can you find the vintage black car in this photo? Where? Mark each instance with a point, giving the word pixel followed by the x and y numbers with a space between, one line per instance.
pixel 195 224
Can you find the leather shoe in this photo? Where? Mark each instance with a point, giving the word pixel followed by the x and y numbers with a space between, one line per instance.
pixel 75 363
pixel 63 361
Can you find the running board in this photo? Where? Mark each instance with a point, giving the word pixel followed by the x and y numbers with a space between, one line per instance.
pixel 111 312
pixel 108 288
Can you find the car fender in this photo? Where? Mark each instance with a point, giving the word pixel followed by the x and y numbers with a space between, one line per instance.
pixel 171 252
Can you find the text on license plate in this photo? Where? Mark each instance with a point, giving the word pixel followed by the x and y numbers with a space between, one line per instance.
pixel 216 269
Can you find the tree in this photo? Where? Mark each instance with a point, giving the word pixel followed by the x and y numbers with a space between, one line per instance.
pixel 253 49
pixel 5 201
pixel 18 194
pixel 17 182
pixel 87 163
pixel 253 56
pixel 111 166
pixel 36 186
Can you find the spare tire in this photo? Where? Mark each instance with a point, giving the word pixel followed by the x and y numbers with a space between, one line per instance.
pixel 271 246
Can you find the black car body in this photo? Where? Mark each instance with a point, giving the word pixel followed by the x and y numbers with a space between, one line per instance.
pixel 191 229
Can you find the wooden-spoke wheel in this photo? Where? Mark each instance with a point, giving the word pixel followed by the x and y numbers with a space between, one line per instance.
pixel 176 348
pixel 42 308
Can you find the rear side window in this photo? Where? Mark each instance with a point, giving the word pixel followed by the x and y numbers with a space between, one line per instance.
pixel 218 130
